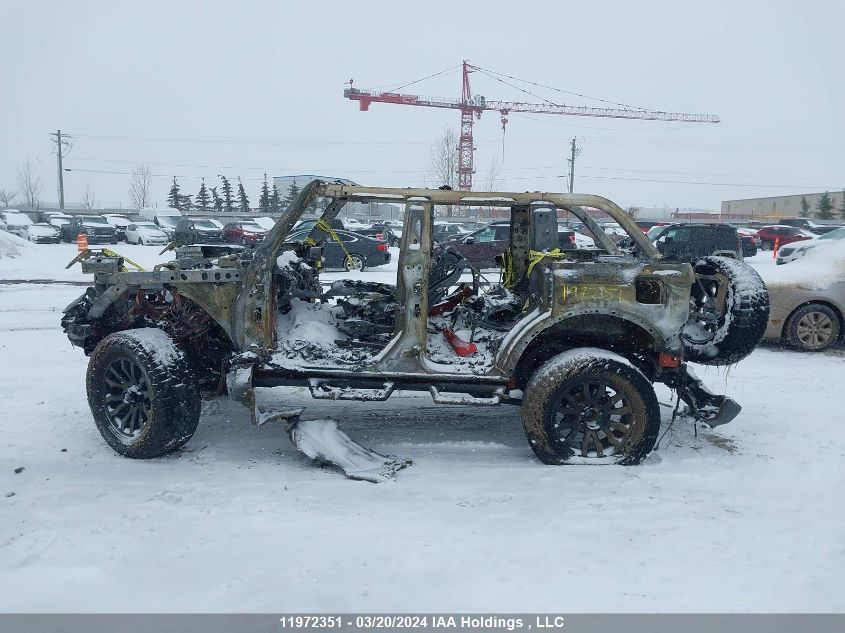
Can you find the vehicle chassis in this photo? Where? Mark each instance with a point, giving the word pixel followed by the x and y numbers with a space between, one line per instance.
pixel 635 306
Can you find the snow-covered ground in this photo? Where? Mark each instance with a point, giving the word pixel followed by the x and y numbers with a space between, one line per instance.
pixel 748 517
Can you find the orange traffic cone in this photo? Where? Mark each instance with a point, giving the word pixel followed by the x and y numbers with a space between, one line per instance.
pixel 775 248
pixel 81 242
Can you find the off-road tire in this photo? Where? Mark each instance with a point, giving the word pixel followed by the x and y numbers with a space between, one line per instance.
pixel 742 323
pixel 560 374
pixel 817 315
pixel 169 382
pixel 355 257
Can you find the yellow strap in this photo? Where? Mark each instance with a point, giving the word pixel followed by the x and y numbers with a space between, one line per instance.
pixel 110 253
pixel 325 226
pixel 535 257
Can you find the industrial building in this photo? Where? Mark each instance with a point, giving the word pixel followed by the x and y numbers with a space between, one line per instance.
pixel 776 207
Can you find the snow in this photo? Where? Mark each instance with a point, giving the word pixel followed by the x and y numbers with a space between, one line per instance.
pixel 159 344
pixel 48 261
pixel 744 518
pixel 13 247
pixel 819 268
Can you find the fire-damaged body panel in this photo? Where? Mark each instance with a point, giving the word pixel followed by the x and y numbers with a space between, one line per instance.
pixel 251 319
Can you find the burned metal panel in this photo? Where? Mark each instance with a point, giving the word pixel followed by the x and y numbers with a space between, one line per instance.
pixel 405 350
pixel 608 289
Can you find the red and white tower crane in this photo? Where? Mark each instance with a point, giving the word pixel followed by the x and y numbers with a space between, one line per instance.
pixel 471 108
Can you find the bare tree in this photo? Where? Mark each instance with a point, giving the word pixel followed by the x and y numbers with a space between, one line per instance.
pixel 632 212
pixel 443 167
pixel 139 186
pixel 29 184
pixel 88 199
pixel 493 180
pixel 7 197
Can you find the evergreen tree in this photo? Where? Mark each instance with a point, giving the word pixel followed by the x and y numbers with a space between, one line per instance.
pixel 293 191
pixel 173 197
pixel 824 207
pixel 243 201
pixel 217 201
pixel 264 198
pixel 185 203
pixel 228 203
pixel 805 208
pixel 276 200
pixel 203 200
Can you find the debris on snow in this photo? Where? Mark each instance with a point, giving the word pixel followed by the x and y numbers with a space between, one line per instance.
pixel 324 442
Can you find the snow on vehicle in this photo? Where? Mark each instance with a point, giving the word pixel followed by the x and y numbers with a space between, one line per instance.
pixel 15 221
pixel 146 233
pixel 41 233
pixel 576 338
pixel 166 219
pixel 797 250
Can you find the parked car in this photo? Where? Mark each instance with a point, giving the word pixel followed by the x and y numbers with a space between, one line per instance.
pixel 119 222
pixel 41 233
pixel 691 241
pixel 807 299
pixel 336 224
pixel 797 250
pixel 754 234
pixel 146 233
pixel 166 218
pixel 15 221
pixel 352 224
pixel 58 219
pixel 781 234
pixel 244 233
pixel 381 232
pixel 197 231
pixel 95 228
pixel 481 248
pixel 647 225
pixel 444 231
pixel 808 225
pixel 364 251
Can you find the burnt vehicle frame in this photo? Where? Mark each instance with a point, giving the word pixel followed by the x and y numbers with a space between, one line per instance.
pixel 626 314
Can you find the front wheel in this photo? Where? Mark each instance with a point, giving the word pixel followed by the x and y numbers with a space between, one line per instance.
pixel 142 392
pixel 813 328
pixel 354 262
pixel 590 404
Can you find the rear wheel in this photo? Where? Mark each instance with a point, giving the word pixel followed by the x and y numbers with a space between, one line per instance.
pixel 592 404
pixel 813 328
pixel 142 393
pixel 354 262
pixel 729 311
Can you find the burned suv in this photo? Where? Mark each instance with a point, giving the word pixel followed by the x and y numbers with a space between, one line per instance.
pixel 576 338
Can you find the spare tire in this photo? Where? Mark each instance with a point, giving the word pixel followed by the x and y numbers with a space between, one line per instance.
pixel 729 311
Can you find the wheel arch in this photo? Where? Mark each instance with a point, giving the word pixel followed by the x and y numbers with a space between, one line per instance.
pixel 623 334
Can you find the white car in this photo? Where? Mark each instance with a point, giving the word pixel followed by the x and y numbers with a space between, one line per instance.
pixel 41 233
pixel 351 224
pixel 15 221
pixel 796 250
pixel 145 233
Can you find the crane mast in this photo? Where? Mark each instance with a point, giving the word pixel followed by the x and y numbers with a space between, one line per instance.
pixel 471 108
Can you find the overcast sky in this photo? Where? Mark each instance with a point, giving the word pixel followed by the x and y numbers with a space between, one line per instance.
pixel 202 88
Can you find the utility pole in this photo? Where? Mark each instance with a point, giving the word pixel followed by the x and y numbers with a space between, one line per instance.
pixel 574 151
pixel 57 139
